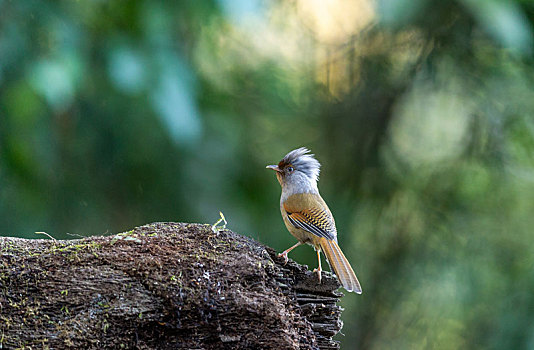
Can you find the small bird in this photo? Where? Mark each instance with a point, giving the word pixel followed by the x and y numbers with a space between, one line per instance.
pixel 307 216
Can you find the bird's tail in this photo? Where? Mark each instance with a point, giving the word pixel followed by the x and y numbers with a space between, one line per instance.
pixel 340 265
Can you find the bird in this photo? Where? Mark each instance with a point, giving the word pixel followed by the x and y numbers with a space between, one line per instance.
pixel 307 217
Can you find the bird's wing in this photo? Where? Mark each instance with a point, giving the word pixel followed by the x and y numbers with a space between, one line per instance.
pixel 310 213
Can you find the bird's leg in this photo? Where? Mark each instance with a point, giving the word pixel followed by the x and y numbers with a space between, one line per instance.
pixel 319 269
pixel 285 252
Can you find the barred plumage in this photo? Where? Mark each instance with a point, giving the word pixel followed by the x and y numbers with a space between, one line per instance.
pixel 307 216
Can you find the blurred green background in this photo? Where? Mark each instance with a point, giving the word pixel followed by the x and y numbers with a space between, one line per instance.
pixel 114 114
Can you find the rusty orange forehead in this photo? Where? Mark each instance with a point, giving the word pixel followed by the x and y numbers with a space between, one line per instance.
pixel 283 163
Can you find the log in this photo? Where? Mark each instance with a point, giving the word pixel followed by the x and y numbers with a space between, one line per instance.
pixel 162 286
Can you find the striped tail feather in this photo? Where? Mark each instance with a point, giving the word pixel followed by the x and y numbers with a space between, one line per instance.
pixel 340 265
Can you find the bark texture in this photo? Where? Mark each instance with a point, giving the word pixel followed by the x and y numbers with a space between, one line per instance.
pixel 161 286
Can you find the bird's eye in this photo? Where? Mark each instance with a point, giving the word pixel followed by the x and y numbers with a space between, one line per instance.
pixel 290 169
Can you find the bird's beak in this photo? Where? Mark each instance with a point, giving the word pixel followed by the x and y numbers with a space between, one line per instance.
pixel 273 167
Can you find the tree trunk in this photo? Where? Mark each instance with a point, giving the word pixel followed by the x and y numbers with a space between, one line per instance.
pixel 161 286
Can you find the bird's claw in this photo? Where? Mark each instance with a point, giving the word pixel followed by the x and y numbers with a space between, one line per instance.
pixel 318 274
pixel 284 256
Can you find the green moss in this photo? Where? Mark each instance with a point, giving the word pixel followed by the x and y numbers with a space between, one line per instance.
pixel 70 250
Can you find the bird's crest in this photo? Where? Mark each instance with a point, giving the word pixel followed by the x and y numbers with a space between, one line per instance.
pixel 301 160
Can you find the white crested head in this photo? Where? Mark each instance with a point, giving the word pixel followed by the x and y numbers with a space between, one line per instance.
pixel 297 172
pixel 302 161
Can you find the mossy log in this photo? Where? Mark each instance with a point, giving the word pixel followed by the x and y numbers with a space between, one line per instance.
pixel 161 286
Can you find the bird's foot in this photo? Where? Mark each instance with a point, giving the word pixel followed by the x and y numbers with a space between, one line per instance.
pixel 318 274
pixel 284 256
